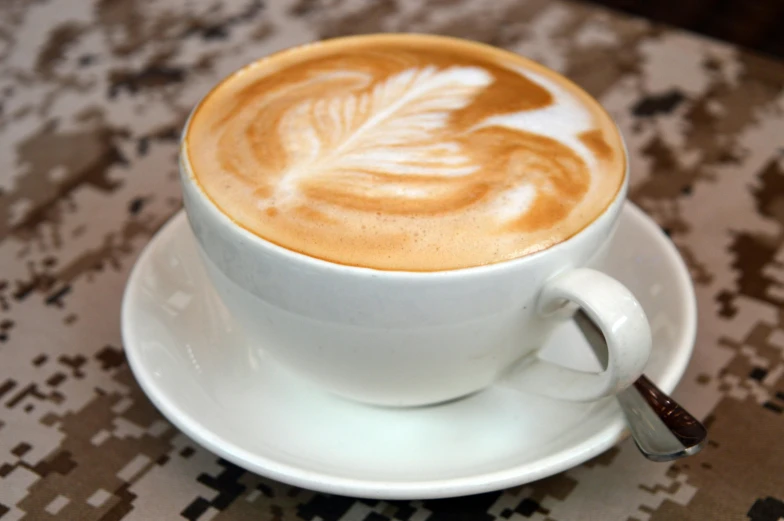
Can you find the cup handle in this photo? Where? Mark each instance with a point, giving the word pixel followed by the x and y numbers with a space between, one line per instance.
pixel 617 314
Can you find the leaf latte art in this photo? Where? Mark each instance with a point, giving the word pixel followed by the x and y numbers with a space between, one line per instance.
pixel 405 152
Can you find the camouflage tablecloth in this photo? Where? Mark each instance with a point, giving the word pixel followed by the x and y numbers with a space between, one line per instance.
pixel 92 97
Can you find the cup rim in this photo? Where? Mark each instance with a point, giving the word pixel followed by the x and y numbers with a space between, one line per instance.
pixel 187 173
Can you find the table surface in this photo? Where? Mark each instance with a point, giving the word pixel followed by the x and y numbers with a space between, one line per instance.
pixel 92 97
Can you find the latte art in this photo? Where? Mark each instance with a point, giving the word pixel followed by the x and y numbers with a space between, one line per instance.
pixel 405 153
pixel 339 146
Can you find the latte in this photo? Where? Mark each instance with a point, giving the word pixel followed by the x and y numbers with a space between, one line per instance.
pixel 405 152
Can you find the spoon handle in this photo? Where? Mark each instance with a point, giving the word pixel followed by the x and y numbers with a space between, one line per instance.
pixel 661 429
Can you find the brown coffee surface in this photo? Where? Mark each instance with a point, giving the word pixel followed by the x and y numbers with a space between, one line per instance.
pixel 404 152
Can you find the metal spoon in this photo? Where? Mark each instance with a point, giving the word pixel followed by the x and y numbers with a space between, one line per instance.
pixel 661 429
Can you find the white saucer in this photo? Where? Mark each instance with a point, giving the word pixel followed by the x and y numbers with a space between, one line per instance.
pixel 198 370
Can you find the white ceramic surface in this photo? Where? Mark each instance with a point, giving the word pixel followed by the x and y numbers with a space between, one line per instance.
pixel 196 366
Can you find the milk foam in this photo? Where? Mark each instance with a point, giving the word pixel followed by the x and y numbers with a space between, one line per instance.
pixel 405 153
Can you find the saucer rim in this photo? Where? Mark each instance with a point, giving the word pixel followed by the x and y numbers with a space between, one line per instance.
pixel 613 432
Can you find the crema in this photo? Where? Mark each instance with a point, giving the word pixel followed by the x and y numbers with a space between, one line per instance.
pixel 405 152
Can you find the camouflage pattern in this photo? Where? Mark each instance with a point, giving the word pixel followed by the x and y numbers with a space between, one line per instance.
pixel 93 94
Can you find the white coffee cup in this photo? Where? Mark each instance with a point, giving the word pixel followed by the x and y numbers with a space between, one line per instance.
pixel 415 338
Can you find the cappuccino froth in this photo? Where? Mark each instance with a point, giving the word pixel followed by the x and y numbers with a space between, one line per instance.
pixel 405 152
